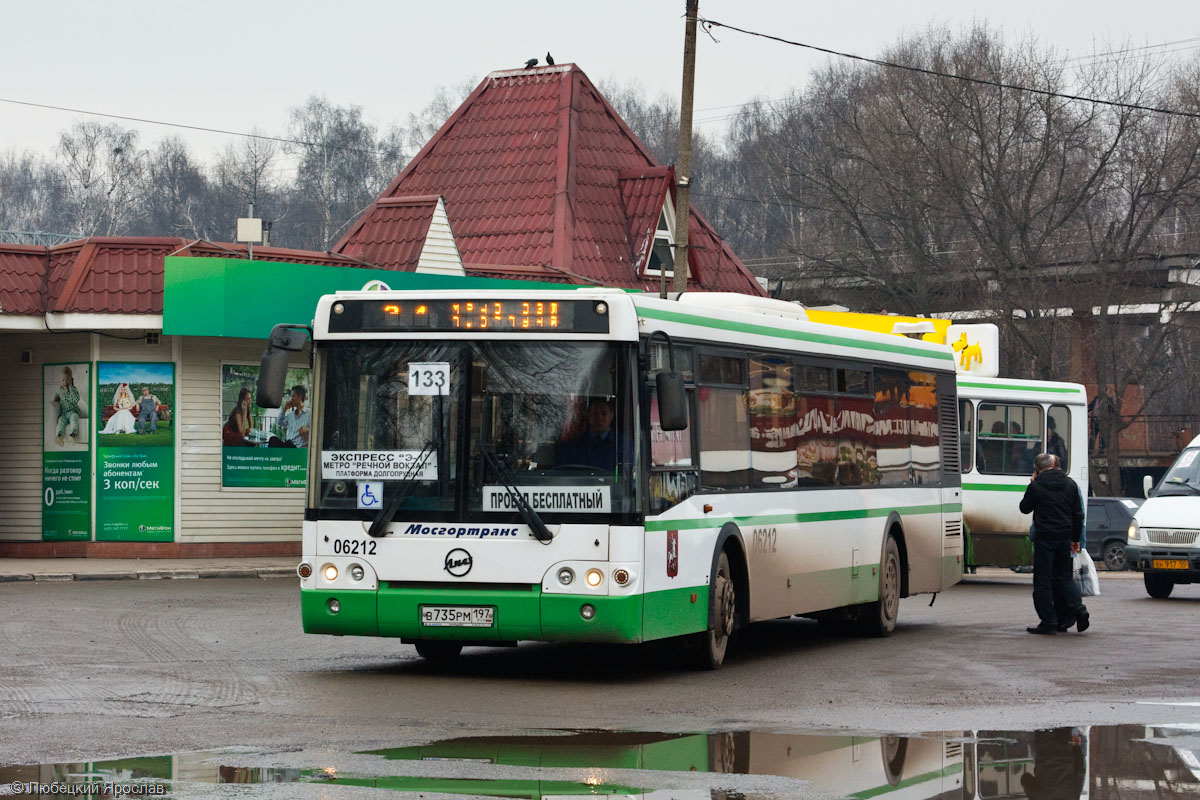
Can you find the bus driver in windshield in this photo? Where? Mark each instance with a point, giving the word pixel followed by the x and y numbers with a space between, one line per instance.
pixel 596 444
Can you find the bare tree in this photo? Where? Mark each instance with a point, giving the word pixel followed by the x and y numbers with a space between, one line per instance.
pixel 926 193
pixel 174 192
pixel 340 172
pixel 31 190
pixel 245 174
pixel 102 169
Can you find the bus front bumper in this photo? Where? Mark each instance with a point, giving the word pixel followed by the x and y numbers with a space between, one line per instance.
pixel 519 614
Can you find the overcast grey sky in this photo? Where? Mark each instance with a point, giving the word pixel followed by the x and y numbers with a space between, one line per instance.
pixel 242 64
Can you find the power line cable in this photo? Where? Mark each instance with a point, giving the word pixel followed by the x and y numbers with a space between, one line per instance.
pixel 201 128
pixel 708 23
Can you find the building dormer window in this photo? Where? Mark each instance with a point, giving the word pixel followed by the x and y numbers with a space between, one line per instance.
pixel 662 253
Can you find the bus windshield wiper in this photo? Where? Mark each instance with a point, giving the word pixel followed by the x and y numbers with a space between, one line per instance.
pixel 397 498
pixel 528 515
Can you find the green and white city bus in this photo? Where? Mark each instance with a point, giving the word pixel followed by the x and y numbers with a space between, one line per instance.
pixel 595 465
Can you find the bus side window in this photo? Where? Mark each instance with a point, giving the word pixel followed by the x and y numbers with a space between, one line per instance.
pixel 673 476
pixel 1010 435
pixel 724 426
pixel 893 440
pixel 816 447
pixel 723 421
pixel 772 407
pixel 1058 433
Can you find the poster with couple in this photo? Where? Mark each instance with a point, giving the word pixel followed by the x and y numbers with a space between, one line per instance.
pixel 135 451
pixel 264 447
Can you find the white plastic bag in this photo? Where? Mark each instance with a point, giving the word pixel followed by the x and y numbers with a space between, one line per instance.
pixel 1085 574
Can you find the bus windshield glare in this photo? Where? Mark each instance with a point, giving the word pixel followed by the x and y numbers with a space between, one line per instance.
pixel 419 417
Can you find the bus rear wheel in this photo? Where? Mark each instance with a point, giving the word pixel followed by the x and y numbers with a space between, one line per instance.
pixel 879 618
pixel 436 650
pixel 1158 586
pixel 709 646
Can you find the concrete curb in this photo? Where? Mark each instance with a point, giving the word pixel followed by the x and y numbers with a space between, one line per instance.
pixel 156 575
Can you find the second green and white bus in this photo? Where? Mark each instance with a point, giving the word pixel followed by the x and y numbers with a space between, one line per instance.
pixel 757 466
pixel 1003 424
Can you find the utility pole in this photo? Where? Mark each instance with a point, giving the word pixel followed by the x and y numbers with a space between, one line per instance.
pixel 683 172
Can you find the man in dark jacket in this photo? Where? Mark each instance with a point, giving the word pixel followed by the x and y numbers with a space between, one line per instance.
pixel 1057 510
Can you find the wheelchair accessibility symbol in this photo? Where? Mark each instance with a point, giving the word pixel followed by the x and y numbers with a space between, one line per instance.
pixel 370 494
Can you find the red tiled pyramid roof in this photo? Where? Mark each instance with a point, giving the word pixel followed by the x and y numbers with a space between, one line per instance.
pixel 530 169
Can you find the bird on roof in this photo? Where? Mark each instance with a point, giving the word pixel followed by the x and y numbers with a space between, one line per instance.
pixel 549 58
pixel 531 63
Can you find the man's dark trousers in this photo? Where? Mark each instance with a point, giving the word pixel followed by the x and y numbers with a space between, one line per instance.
pixel 1052 579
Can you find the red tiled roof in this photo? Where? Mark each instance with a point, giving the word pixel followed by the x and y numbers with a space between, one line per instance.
pixel 113 275
pixel 530 169
pixel 22 274
pixel 545 274
pixel 393 231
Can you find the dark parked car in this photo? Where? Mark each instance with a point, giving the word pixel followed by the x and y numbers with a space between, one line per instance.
pixel 1108 521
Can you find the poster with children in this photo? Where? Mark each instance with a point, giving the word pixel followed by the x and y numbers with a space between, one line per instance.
pixel 66 443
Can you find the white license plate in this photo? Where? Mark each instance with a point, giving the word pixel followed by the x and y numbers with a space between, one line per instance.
pixel 457 616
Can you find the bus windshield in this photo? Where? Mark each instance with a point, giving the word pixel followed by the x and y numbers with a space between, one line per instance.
pixel 460 426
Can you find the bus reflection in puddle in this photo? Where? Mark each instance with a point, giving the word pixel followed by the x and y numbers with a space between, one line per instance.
pixel 1097 763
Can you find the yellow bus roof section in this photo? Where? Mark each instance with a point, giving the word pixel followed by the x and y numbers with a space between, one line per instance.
pixel 976 346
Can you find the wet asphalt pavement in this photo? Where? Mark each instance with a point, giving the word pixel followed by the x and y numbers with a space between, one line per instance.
pixel 97 671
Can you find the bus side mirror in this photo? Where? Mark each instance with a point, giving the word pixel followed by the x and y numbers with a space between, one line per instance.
pixel 1147 485
pixel 672 397
pixel 272 374
pixel 672 401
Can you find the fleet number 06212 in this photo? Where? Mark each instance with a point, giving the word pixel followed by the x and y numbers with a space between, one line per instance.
pixel 353 547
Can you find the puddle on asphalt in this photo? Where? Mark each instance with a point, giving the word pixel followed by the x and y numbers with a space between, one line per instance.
pixel 1096 763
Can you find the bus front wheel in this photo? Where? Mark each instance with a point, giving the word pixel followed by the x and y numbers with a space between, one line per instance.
pixel 709 646
pixel 436 650
pixel 879 618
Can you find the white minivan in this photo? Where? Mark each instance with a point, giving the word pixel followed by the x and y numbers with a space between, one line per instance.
pixel 1163 535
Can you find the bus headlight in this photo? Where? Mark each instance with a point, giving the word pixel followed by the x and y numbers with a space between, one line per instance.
pixel 566 576
pixel 356 572
pixel 1134 531
pixel 333 605
pixel 330 572
pixel 593 577
pixel 304 570
pixel 621 576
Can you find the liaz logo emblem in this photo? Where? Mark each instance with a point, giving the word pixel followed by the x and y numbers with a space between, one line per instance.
pixel 458 562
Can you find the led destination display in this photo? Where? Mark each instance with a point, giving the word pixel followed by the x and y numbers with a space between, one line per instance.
pixel 445 315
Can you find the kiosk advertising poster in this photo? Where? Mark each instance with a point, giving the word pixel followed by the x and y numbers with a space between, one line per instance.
pixel 264 447
pixel 135 452
pixel 66 452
